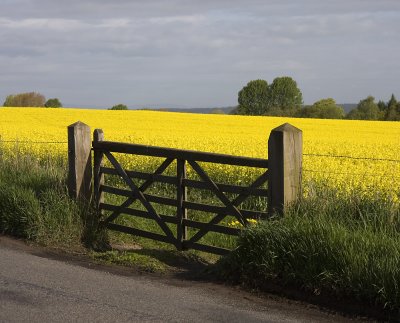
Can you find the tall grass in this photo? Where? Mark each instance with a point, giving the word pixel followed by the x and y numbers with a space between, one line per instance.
pixel 332 244
pixel 34 203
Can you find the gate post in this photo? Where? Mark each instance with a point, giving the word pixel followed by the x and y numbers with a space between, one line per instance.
pixel 79 162
pixel 285 145
pixel 98 180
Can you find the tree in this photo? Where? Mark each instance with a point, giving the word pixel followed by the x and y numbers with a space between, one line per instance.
pixel 391 112
pixel 53 103
pixel 367 109
pixel 28 99
pixel 253 98
pixel 285 94
pixel 322 109
pixel 119 107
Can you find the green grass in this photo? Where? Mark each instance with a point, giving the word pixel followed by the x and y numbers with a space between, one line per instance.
pixel 340 246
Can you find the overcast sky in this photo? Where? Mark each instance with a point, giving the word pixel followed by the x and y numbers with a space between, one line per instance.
pixel 97 53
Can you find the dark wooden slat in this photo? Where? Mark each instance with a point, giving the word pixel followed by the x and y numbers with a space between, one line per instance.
pixel 207 248
pixel 142 175
pixel 217 191
pixel 116 191
pixel 140 233
pixel 98 176
pixel 213 228
pixel 149 197
pixel 179 154
pixel 138 213
pixel 139 194
pixel 237 201
pixel 132 198
pixel 227 188
pixel 189 182
pixel 186 204
pixel 181 211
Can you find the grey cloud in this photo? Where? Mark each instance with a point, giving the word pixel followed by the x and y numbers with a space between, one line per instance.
pixel 196 53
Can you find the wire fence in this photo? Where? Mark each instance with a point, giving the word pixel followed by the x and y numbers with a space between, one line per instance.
pixel 355 158
pixel 33 142
pixel 304 154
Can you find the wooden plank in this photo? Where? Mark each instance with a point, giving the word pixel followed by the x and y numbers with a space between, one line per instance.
pixel 140 233
pixel 285 146
pixel 141 175
pixel 132 198
pixel 79 162
pixel 98 176
pixel 138 213
pixel 227 188
pixel 149 197
pixel 180 154
pixel 139 195
pixel 213 228
pixel 189 182
pixel 181 211
pixel 207 248
pixel 235 212
pixel 186 204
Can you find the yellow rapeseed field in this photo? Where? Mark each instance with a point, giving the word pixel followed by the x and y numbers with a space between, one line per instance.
pixel 378 142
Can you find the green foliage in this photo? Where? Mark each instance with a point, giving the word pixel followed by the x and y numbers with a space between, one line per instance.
pixel 282 97
pixel 392 112
pixel 285 94
pixel 34 203
pixel 341 246
pixel 254 98
pixel 322 109
pixel 53 103
pixel 29 99
pixel 367 109
pixel 119 107
pixel 19 211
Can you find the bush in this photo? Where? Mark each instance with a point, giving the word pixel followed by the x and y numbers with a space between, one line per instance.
pixel 53 103
pixel 119 107
pixel 19 211
pixel 29 99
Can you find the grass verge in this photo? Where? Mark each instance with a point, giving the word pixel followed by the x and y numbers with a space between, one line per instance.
pixel 343 247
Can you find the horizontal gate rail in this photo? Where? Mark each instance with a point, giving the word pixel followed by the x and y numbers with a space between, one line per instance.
pixel 188 182
pixel 187 204
pixel 119 147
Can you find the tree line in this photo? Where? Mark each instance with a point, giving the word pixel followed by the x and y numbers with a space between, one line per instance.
pixel 34 99
pixel 280 98
pixel 31 99
pixel 283 98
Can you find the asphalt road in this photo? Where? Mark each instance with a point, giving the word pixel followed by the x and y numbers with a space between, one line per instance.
pixel 38 289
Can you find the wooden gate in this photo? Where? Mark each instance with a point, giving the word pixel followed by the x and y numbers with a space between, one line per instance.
pixel 284 169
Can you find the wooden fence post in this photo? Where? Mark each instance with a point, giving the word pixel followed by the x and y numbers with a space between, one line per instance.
pixel 285 145
pixel 79 162
pixel 98 135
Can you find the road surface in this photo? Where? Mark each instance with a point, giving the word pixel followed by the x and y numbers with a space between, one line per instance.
pixel 38 289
